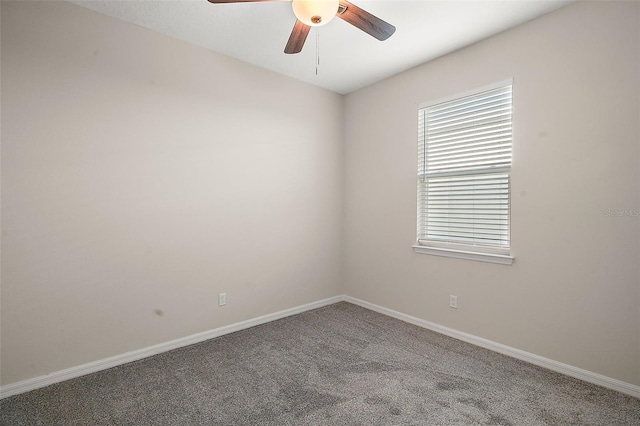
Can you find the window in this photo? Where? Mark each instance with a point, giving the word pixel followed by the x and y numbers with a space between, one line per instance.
pixel 464 166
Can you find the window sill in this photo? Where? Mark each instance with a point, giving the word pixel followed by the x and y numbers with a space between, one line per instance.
pixel 461 254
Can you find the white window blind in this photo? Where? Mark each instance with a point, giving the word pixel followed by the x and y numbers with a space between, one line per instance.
pixel 464 164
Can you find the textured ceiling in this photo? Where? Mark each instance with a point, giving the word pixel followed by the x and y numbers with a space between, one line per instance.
pixel 349 58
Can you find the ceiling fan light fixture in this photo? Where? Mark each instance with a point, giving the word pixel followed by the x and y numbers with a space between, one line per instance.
pixel 315 12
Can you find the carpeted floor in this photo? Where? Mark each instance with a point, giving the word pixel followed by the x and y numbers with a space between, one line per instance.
pixel 338 365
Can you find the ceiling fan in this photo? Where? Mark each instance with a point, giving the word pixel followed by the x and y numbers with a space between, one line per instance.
pixel 314 13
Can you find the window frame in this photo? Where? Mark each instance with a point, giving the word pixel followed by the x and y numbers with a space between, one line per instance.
pixel 483 253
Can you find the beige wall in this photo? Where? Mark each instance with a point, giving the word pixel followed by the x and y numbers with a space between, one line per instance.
pixel 141 176
pixel 572 294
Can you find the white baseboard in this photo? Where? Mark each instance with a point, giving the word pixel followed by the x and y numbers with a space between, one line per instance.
pixel 103 364
pixel 569 370
pixel 92 367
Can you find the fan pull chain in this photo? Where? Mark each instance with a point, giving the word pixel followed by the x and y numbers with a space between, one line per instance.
pixel 317 49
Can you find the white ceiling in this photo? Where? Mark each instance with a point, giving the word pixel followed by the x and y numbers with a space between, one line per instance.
pixel 349 58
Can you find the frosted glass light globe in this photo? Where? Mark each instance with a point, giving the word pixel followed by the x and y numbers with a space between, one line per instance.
pixel 315 12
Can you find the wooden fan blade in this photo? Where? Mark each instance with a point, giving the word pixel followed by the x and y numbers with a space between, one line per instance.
pixel 238 1
pixel 297 38
pixel 367 22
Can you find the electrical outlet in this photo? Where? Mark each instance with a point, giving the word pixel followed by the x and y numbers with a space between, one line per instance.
pixel 453 301
pixel 222 299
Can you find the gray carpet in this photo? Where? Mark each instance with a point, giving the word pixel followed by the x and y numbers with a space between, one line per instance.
pixel 338 365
